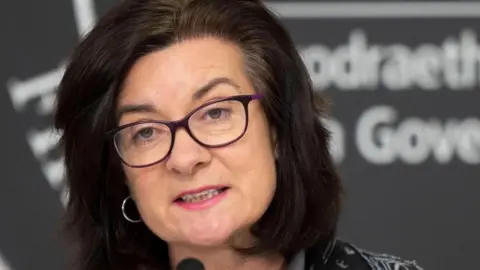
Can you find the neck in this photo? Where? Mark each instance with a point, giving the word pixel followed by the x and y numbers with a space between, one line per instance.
pixel 224 258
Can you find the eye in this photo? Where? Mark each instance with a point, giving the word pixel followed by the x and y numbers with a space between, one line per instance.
pixel 216 113
pixel 144 133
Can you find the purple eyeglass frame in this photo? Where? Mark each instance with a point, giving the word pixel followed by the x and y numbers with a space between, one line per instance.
pixel 183 123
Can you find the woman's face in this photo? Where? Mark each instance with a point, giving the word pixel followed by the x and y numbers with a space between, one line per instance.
pixel 167 85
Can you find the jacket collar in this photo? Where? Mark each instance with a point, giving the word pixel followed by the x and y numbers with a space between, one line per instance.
pixel 317 256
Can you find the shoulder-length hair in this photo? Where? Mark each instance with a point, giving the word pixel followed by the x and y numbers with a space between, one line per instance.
pixel 306 205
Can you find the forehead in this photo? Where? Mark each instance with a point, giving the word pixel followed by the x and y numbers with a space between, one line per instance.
pixel 177 71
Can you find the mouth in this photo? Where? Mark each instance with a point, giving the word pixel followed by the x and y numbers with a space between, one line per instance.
pixel 200 196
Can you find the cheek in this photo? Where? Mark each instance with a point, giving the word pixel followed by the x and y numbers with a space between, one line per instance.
pixel 260 176
pixel 262 181
pixel 134 181
pixel 256 186
pixel 148 188
pixel 251 162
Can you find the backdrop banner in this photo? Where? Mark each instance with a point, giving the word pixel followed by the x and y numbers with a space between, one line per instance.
pixel 404 80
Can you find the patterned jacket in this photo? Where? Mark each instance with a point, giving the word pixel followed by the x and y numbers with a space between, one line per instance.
pixel 341 255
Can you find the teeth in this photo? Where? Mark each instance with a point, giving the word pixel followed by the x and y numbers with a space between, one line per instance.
pixel 204 195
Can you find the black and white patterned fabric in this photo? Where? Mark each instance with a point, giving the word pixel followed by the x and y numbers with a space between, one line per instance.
pixel 341 255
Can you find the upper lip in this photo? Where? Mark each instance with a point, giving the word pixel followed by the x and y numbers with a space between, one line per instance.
pixel 197 190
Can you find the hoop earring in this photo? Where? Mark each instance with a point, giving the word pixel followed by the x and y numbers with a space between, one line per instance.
pixel 125 215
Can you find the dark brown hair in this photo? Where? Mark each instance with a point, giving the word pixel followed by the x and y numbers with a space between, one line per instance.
pixel 306 205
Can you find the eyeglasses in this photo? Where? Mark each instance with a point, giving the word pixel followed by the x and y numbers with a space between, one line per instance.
pixel 214 124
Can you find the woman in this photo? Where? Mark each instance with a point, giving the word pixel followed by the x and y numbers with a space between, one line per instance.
pixel 190 129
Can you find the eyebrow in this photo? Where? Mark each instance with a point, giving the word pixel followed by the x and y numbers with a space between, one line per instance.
pixel 150 108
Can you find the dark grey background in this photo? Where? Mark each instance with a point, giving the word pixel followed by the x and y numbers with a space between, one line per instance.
pixel 426 211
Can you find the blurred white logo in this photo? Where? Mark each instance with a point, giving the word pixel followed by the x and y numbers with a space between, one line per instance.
pixel 40 90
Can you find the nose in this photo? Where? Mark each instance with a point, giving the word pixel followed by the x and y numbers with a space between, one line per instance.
pixel 187 156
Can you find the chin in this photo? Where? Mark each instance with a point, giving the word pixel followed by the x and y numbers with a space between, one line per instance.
pixel 208 234
pixel 209 238
pixel 207 241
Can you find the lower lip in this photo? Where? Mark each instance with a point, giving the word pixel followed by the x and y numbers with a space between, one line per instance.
pixel 203 204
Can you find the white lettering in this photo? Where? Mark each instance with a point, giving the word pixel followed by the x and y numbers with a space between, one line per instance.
pixel 441 137
pixel 375 146
pixel 410 141
pixel 382 140
pixel 426 67
pixel 358 65
pixel 469 141
pixel 317 60
pixel 396 73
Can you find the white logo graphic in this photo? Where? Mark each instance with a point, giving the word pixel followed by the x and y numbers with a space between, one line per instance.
pixel 40 90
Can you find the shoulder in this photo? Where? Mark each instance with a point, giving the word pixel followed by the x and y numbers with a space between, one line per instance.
pixel 345 256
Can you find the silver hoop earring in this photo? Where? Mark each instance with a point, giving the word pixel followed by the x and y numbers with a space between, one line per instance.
pixel 125 215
